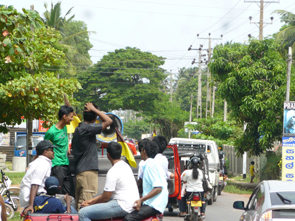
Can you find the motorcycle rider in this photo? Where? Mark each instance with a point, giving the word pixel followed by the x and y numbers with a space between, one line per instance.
pixel 193 179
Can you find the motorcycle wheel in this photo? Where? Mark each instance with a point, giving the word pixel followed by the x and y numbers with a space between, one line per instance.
pixel 215 194
pixel 9 211
pixel 219 189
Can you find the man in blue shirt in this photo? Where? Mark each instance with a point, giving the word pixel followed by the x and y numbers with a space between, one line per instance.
pixel 155 193
pixel 49 203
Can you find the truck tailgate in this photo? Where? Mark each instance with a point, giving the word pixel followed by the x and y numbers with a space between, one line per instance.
pixel 52 217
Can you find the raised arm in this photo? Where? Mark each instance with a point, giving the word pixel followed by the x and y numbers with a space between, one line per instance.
pixel 106 120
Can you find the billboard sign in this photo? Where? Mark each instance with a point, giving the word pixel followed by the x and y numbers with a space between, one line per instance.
pixel 288 159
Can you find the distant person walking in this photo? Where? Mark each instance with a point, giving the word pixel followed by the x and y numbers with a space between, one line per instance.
pixel 85 153
pixel 252 171
pixel 58 135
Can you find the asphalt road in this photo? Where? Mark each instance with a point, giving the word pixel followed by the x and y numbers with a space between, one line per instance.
pixel 221 210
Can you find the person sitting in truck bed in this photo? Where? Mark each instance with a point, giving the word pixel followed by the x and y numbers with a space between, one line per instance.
pixel 155 193
pixel 49 203
pixel 120 190
pixel 38 171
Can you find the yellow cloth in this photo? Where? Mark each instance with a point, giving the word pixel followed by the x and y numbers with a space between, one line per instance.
pixel 74 123
pixel 128 154
pixel 252 170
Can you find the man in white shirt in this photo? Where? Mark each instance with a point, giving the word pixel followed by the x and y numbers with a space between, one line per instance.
pixel 38 171
pixel 120 190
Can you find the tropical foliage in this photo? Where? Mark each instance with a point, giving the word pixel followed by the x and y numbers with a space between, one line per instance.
pixel 252 80
pixel 27 47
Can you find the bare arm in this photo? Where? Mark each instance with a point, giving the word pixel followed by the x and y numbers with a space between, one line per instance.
pixel 151 194
pixel 3 213
pixel 104 197
pixel 68 203
pixel 106 120
pixel 33 193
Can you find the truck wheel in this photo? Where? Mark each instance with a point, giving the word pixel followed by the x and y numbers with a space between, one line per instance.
pixel 215 194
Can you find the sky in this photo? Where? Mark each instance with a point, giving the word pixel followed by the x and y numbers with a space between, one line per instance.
pixel 166 27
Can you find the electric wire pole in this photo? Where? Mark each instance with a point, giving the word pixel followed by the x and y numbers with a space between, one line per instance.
pixel 261 24
pixel 208 99
pixel 199 100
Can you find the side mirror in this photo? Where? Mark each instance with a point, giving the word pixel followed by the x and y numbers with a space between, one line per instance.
pixel 239 205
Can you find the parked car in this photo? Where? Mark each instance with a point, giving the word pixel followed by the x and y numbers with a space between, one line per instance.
pixel 191 146
pixel 271 200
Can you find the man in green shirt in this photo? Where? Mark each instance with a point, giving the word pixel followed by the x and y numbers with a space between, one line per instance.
pixel 58 135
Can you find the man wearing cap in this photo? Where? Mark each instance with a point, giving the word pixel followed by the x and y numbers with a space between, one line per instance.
pixel 38 171
pixel 49 203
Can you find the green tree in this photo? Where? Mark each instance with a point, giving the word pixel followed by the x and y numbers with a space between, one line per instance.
pixel 252 80
pixel 134 129
pixel 27 47
pixel 75 39
pixel 124 79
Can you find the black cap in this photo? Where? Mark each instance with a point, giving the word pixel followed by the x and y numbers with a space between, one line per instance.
pixel 44 145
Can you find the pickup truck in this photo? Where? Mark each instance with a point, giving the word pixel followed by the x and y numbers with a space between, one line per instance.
pixel 174 185
pixel 20 143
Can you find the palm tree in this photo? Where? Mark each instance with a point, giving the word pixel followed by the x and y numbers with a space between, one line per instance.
pixel 75 59
pixel 287 33
pixel 53 17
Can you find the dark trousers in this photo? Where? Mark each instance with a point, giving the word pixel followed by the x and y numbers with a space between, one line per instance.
pixel 62 173
pixel 144 212
pixel 187 194
pixel 182 204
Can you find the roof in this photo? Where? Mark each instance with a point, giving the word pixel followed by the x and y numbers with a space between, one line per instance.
pixel 277 185
pixel 187 141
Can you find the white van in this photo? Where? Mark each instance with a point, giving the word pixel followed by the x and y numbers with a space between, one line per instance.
pixel 185 146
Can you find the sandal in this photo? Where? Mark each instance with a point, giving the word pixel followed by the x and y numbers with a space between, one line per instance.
pixel 182 214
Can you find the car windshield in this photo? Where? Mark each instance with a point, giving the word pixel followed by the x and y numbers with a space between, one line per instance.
pixel 282 198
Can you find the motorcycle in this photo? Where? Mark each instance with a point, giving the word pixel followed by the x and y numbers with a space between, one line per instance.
pixel 221 183
pixel 74 217
pixel 11 202
pixel 194 204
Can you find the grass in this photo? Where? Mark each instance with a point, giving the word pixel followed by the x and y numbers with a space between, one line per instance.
pixel 240 179
pixel 235 189
pixel 16 178
pixel 16 217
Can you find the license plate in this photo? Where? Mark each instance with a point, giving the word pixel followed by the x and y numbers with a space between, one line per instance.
pixel 220 178
pixel 196 203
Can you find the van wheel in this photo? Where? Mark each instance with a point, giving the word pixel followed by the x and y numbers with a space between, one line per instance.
pixel 210 201
pixel 215 194
pixel 170 209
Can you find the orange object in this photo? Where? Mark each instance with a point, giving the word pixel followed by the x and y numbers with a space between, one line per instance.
pixel 132 148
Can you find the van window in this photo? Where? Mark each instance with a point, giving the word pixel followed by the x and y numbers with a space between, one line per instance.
pixel 209 148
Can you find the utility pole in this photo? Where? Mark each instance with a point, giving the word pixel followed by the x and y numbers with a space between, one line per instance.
pixel 190 115
pixel 261 24
pixel 213 101
pixel 199 100
pixel 170 85
pixel 289 65
pixel 208 99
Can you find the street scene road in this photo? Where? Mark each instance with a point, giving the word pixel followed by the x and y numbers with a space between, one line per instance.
pixel 221 210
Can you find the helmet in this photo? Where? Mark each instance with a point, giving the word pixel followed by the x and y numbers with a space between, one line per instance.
pixel 195 162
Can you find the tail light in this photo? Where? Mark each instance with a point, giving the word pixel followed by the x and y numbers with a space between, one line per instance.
pixel 220 175
pixel 266 216
pixel 196 198
pixel 28 219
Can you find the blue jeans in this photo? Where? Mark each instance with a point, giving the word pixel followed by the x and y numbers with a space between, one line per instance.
pixel 107 210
